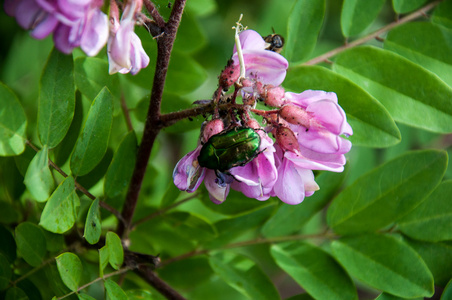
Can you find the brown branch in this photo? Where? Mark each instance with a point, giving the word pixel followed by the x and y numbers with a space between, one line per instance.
pixel 153 11
pixel 419 13
pixel 153 124
pixel 148 274
pixel 125 111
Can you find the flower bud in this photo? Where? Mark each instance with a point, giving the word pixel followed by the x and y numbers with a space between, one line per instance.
pixel 252 123
pixel 211 128
pixel 287 139
pixel 295 115
pixel 275 96
pixel 229 75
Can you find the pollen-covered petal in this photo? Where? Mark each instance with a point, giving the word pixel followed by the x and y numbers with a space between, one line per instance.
pixel 187 174
pixel 218 189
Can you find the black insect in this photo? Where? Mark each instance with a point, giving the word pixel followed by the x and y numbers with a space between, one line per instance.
pixel 275 42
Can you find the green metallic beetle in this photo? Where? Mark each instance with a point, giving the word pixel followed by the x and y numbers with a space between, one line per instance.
pixel 230 148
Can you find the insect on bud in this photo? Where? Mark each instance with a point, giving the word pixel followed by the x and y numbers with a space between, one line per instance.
pixel 275 96
pixel 229 75
pixel 295 115
pixel 211 128
pixel 287 139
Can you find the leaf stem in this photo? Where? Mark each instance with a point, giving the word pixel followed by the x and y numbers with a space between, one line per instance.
pixel 420 12
pixel 121 271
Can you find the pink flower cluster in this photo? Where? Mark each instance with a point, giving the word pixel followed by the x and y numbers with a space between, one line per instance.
pixel 81 23
pixel 308 130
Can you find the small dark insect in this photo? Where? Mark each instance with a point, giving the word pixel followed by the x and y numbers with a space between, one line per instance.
pixel 169 4
pixel 93 224
pixel 275 42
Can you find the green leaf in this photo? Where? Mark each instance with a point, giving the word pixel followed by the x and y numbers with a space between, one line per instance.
pixel 56 99
pixel 303 27
pixel 70 269
pixel 82 296
pixel 411 94
pixel 170 196
pixel 60 212
pixel 93 227
pixel 432 219
pixel 8 244
pixel 104 257
pixel 39 179
pixel 405 6
pixel 31 243
pixel 140 295
pixel 189 224
pixel 277 224
pixel 176 272
pixel 244 275
pixel 190 37
pixel 93 140
pixel 5 272
pixel 426 44
pixel 385 263
pixel 114 291
pixel 438 257
pixel 441 14
pixel 364 113
pixel 357 15
pixel 13 123
pixel 228 229
pixel 201 7
pixel 447 293
pixel 91 76
pixel 116 253
pixel 314 270
pixel 15 293
pixel 387 193
pixel 121 168
pixel 385 296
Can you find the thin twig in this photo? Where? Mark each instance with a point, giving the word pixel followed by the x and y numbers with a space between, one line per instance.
pixel 153 11
pixel 372 35
pixel 121 271
pixel 125 111
pixel 149 275
pixel 78 186
pixel 258 241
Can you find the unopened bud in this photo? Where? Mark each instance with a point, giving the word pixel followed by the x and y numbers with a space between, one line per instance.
pixel 229 75
pixel 211 128
pixel 287 139
pixel 275 96
pixel 295 115
pixel 252 123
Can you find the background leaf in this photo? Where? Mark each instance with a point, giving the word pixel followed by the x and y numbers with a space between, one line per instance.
pixel 433 53
pixel 70 269
pixel 114 291
pixel 31 243
pixel 121 167
pixel 358 15
pixel 93 140
pixel 13 123
pixel 387 193
pixel 432 219
pixel 411 94
pixel 404 6
pixel 93 227
pixel 56 99
pixel 243 275
pixel 385 263
pixel 116 253
pixel 366 116
pixel 60 212
pixel 303 27
pixel 317 272
pixel 5 272
pixel 39 179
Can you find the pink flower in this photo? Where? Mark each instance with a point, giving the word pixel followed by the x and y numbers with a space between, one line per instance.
pixel 256 179
pixel 262 65
pixel 295 178
pixel 125 51
pixel 73 23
